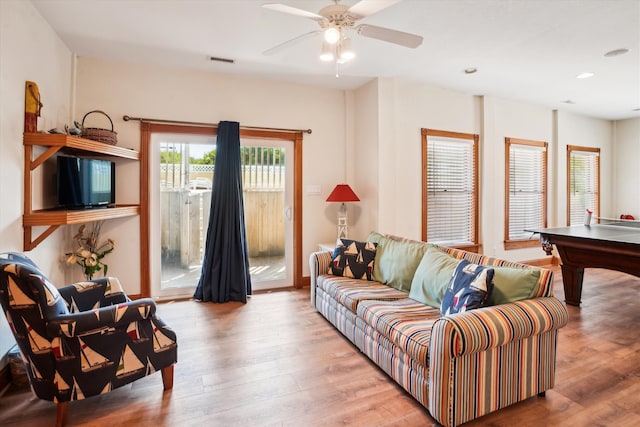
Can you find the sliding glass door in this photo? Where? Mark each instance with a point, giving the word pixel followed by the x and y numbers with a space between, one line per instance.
pixel 183 175
pixel 268 204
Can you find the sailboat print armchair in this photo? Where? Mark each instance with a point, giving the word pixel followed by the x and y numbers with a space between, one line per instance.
pixel 84 339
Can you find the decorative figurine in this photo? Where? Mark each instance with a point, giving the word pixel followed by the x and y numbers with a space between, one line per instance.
pixel 32 106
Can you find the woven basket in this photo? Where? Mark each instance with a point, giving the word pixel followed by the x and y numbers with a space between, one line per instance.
pixel 97 134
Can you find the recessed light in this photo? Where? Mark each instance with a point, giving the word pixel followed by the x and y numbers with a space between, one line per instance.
pixel 470 70
pixel 585 75
pixel 636 109
pixel 616 52
pixel 568 101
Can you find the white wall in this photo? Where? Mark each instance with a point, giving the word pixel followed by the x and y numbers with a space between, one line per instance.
pixel 626 168
pixel 364 170
pixel 136 90
pixel 506 118
pixel 29 50
pixel 389 116
pixel 585 132
pixel 422 106
pixel 403 108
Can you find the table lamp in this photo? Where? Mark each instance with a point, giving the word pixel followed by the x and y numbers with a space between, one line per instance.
pixel 342 193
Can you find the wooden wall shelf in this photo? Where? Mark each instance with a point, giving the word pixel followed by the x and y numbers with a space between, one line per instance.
pixel 65 217
pixel 57 217
pixel 87 146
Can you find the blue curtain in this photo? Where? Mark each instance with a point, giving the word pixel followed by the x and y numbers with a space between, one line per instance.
pixel 225 270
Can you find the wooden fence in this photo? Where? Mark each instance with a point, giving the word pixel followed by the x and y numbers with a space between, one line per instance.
pixel 184 231
pixel 185 200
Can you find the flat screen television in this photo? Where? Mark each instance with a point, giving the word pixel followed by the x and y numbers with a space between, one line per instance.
pixel 85 183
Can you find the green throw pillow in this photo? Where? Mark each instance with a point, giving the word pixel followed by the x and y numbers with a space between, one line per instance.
pixel 436 268
pixel 375 237
pixel 513 284
pixel 396 261
pixel 432 277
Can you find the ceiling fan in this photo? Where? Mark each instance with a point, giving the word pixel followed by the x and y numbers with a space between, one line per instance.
pixel 337 20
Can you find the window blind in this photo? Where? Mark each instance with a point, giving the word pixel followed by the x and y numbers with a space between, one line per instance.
pixel 527 189
pixel 584 183
pixel 451 187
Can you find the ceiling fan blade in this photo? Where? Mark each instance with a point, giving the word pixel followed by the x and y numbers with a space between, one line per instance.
pixel 368 7
pixel 389 35
pixel 292 11
pixel 290 42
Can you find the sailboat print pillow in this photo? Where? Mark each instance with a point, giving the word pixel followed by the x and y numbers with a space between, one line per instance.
pixel 353 259
pixel 469 288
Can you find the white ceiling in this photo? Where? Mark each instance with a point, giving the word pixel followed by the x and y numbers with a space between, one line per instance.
pixel 529 50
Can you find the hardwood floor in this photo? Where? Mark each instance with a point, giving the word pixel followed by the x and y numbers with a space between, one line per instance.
pixel 277 362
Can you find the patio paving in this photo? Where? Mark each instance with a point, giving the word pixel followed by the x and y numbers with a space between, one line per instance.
pixel 261 268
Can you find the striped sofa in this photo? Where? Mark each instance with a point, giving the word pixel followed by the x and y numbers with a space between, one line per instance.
pixel 460 366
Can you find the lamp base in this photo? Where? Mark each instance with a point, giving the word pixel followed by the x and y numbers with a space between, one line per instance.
pixel 342 222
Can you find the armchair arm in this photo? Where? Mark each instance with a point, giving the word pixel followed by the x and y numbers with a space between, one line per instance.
pixel 319 263
pixel 479 330
pixel 111 317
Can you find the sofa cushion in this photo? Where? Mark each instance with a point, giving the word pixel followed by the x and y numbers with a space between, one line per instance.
pixel 468 289
pixel 353 259
pixel 514 284
pixel 349 292
pixel 512 281
pixel 406 323
pixel 432 276
pixel 396 261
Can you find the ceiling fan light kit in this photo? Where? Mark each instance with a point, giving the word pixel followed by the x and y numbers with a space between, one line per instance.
pixel 346 53
pixel 332 35
pixel 337 20
pixel 326 54
pixel 341 52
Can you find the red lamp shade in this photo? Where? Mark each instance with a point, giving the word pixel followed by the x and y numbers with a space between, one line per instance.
pixel 342 193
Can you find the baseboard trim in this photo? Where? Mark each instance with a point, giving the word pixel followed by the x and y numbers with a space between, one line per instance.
pixel 543 262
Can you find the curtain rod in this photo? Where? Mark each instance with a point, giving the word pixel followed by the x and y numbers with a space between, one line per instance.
pixel 179 122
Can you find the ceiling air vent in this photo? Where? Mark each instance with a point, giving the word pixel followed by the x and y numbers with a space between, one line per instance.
pixel 228 61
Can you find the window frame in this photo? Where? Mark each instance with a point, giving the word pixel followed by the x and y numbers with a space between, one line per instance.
pixel 474 246
pixel 523 243
pixel 570 150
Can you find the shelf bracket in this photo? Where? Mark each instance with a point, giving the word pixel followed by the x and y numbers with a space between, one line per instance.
pixel 30 245
pixel 43 157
